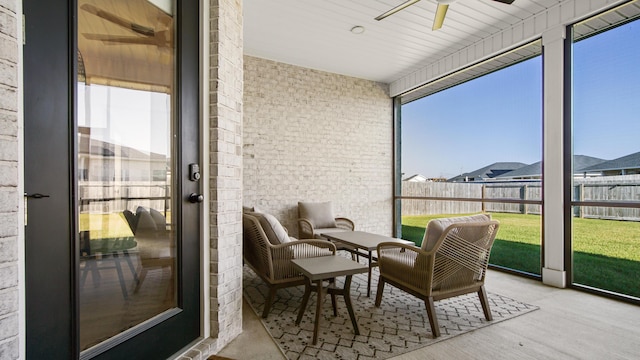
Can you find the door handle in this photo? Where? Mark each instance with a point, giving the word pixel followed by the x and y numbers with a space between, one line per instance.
pixel 196 198
pixel 31 196
pixel 36 196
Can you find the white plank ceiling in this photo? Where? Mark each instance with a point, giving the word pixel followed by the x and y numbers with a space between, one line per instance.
pixel 316 33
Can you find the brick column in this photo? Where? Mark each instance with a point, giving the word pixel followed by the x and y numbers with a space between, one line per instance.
pixel 9 179
pixel 225 162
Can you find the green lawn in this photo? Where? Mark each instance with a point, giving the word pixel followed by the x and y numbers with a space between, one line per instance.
pixel 606 252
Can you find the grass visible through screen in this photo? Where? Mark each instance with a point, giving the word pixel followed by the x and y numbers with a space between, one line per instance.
pixel 606 252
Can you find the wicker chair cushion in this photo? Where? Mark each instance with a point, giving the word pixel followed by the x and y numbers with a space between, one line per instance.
pixel 320 214
pixel 276 234
pixel 435 228
pixel 321 231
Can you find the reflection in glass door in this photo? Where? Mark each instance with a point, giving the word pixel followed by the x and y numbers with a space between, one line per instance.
pixel 126 155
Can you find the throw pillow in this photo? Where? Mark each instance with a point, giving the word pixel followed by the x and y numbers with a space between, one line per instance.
pixel 132 220
pixel 272 228
pixel 158 219
pixel 145 221
pixel 320 214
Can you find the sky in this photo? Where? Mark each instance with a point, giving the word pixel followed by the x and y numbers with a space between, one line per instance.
pixel 133 118
pixel 498 117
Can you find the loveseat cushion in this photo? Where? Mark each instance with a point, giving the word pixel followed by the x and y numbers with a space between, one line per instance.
pixel 436 227
pixel 320 214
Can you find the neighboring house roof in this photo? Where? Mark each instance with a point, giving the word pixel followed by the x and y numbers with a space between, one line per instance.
pixel 416 178
pixel 488 172
pixel 631 161
pixel 580 162
pixel 98 147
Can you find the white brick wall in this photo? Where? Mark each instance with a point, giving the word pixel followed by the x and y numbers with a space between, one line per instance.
pixel 316 136
pixel 9 313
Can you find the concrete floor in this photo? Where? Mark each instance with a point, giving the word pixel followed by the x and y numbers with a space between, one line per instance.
pixel 569 325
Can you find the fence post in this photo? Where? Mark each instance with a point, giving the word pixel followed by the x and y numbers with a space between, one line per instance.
pixel 581 198
pixel 523 196
pixel 482 196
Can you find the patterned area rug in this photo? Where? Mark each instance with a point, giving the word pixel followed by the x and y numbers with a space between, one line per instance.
pixel 398 326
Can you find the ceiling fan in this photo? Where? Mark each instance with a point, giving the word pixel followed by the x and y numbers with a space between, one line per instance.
pixel 441 11
pixel 144 35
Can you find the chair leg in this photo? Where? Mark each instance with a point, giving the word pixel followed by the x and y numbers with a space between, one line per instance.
pixel 127 257
pixel 379 291
pixel 484 301
pixel 123 286
pixel 431 313
pixel 268 302
pixel 141 277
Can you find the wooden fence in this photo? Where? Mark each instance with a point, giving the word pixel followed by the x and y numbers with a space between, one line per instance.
pixel 103 198
pixel 609 188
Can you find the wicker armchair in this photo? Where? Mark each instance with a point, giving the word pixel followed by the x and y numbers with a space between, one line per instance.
pixel 453 264
pixel 315 219
pixel 272 263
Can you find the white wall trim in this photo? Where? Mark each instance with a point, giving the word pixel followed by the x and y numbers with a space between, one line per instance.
pixel 552 152
pixel 22 327
pixel 205 233
pixel 555 278
pixel 562 14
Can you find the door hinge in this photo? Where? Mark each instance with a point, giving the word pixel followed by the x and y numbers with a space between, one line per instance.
pixel 24 31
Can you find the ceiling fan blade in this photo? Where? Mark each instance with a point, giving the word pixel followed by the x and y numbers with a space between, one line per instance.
pixel 140 29
pixel 438 20
pixel 121 39
pixel 505 1
pixel 396 9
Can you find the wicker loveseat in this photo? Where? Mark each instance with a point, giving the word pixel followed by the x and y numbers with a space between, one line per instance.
pixel 452 261
pixel 268 250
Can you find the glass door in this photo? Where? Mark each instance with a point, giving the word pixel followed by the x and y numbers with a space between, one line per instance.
pixel 113 254
pixel 126 155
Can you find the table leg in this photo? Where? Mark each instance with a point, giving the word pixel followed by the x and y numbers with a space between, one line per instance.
pixel 332 284
pixel 318 312
pixel 305 301
pixel 369 277
pixel 347 301
pixel 333 304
